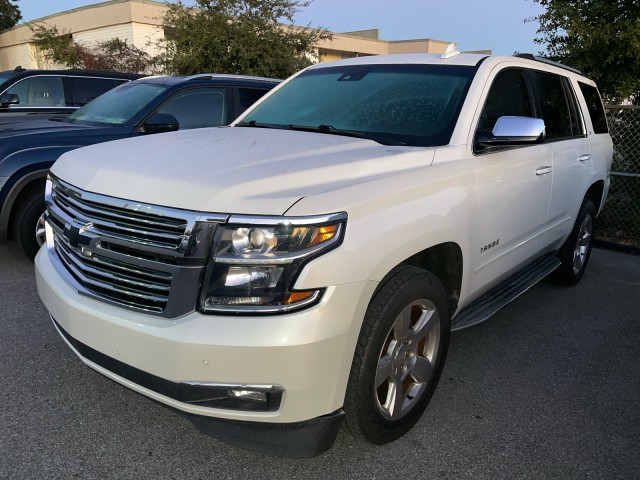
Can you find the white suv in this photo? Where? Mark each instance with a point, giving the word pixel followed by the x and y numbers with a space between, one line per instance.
pixel 307 264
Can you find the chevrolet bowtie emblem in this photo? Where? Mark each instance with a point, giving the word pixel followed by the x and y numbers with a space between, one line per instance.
pixel 75 235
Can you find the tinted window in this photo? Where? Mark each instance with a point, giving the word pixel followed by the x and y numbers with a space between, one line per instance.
pixel 576 120
pixel 249 96
pixel 81 90
pixel 119 105
pixel 509 96
pixel 554 105
pixel 416 105
pixel 594 105
pixel 40 91
pixel 197 107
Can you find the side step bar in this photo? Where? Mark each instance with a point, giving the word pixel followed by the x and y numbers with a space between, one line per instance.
pixel 488 304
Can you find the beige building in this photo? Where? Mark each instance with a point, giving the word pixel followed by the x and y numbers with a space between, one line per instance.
pixel 139 22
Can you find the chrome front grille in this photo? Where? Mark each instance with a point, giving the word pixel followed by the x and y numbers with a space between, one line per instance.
pixel 118 281
pixel 134 255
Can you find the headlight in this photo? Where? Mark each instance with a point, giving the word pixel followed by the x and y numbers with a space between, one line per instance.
pixel 255 262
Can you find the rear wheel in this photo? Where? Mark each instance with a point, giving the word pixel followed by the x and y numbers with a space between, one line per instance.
pixel 29 223
pixel 399 357
pixel 576 251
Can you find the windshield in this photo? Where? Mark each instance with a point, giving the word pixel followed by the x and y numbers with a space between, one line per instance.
pixel 119 105
pixel 415 105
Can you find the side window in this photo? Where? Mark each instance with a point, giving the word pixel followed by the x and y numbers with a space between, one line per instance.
pixel 594 105
pixel 577 126
pixel 81 90
pixel 42 91
pixel 197 107
pixel 509 96
pixel 555 110
pixel 249 96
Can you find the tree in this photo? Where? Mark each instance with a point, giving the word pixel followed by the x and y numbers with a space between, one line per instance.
pixel 9 14
pixel 238 37
pixel 114 55
pixel 599 37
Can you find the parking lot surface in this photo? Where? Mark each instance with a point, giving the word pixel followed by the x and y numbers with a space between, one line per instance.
pixel 548 388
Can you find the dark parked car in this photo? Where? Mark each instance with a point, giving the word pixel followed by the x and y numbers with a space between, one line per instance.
pixel 145 106
pixel 41 94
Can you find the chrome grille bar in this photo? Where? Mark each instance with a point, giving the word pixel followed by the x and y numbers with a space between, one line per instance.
pixel 89 269
pixel 126 296
pixel 129 227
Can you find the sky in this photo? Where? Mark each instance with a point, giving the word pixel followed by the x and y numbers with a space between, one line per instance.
pixel 497 25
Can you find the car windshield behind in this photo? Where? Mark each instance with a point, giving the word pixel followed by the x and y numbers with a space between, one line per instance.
pixel 4 76
pixel 117 106
pixel 414 105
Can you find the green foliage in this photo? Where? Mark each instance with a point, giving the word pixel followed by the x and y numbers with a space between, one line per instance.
pixel 113 55
pixel 56 46
pixel 238 37
pixel 9 14
pixel 599 37
pixel 119 56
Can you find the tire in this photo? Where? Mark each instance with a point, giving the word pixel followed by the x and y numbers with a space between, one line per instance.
pixel 393 355
pixel 28 226
pixel 576 251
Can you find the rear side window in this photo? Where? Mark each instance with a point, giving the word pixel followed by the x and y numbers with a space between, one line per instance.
pixel 509 96
pixel 594 105
pixel 249 96
pixel 81 90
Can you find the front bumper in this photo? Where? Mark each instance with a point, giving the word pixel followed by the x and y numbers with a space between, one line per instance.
pixel 308 353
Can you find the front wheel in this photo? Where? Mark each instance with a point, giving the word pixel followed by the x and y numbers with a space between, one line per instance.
pixel 399 356
pixel 29 223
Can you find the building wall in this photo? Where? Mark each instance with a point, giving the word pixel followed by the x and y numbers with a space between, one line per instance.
pixel 146 36
pixel 16 56
pixel 96 35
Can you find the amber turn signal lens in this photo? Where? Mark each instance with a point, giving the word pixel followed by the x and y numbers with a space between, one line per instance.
pixel 295 297
pixel 323 234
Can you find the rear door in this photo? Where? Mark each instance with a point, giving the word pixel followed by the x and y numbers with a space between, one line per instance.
pixel 566 136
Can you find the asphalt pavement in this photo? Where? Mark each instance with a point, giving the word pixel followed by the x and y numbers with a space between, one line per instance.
pixel 549 388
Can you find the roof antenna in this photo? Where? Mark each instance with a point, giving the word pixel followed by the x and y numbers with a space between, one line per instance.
pixel 451 51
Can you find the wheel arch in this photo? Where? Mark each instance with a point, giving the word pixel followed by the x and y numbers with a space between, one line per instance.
pixel 445 261
pixel 595 193
pixel 21 188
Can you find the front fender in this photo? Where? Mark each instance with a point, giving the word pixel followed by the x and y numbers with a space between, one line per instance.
pixel 20 169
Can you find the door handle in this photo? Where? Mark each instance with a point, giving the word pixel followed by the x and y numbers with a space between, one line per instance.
pixel 543 170
pixel 585 157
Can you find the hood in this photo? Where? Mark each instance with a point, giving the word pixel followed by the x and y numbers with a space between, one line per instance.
pixel 32 142
pixel 28 127
pixel 233 170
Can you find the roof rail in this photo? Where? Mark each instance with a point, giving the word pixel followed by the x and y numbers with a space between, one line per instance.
pixel 211 76
pixel 530 56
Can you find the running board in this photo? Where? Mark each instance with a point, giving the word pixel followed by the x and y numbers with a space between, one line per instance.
pixel 488 304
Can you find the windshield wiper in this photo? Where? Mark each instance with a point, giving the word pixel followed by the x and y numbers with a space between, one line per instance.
pixel 330 129
pixel 254 124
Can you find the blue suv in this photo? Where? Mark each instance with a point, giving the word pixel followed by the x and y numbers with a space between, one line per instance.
pixel 141 107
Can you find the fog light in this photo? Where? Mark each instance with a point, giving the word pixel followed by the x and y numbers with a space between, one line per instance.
pixel 250 395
